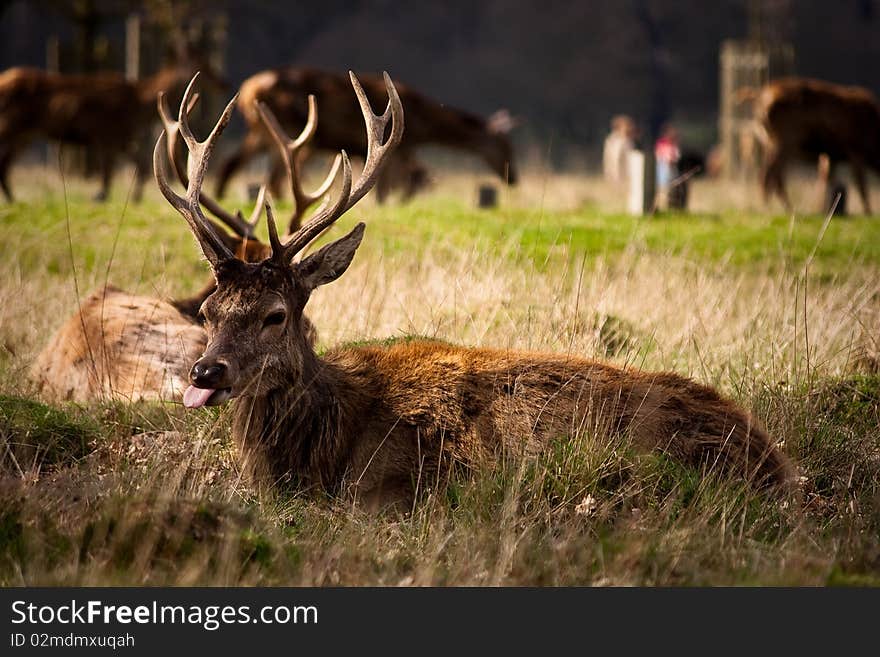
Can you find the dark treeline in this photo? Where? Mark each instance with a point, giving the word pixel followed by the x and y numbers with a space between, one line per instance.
pixel 564 66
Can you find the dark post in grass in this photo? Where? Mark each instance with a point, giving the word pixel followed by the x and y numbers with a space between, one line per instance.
pixel 487 196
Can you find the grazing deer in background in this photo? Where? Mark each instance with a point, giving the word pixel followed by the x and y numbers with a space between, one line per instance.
pixel 285 90
pixel 803 119
pixel 123 346
pixel 102 111
pixel 374 420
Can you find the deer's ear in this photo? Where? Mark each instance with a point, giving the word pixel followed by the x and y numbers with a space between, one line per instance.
pixel 330 261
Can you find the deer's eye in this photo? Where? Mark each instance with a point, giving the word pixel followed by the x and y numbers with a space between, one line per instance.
pixel 200 318
pixel 274 319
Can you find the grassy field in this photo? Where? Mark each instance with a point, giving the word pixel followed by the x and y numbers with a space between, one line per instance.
pixel 781 313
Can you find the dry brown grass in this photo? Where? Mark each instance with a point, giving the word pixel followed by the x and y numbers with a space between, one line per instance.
pixel 155 495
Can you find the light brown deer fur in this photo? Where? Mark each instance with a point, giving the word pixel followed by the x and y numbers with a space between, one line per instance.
pixel 285 90
pixel 126 347
pixel 802 119
pixel 372 421
pixel 129 347
pixel 119 346
pixel 102 111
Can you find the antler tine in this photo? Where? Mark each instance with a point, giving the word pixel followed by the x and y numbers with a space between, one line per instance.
pixel 243 228
pixel 172 126
pixel 376 124
pixel 236 222
pixel 251 223
pixel 377 152
pixel 211 244
pixel 256 213
pixel 274 240
pixel 310 127
pixel 328 181
pixel 289 150
pixel 200 153
pixel 304 200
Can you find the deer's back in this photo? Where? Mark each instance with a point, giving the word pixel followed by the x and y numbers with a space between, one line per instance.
pixel 814 116
pixel 119 346
pixel 479 400
pixel 82 109
pixel 286 91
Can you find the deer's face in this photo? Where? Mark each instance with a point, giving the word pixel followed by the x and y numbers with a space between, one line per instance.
pixel 255 333
pixel 257 339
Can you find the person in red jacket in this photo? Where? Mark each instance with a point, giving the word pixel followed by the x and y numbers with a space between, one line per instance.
pixel 667 154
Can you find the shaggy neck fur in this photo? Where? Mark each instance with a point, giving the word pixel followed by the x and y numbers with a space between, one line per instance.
pixel 302 432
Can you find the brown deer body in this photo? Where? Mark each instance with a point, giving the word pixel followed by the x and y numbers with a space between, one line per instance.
pixel 379 419
pixel 802 119
pixel 285 91
pixel 372 421
pixel 102 111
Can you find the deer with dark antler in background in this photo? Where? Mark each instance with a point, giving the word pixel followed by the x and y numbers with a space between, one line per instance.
pixel 285 90
pixel 370 421
pixel 130 347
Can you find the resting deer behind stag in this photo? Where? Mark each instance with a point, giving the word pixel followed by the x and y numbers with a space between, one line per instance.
pixel 130 347
pixel 371 421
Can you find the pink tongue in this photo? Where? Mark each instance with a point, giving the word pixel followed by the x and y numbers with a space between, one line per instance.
pixel 196 397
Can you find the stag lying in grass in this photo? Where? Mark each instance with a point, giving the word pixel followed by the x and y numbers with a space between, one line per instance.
pixel 129 347
pixel 372 421
pixel 285 90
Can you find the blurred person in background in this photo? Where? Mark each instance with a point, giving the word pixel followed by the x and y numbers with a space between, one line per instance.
pixel 617 147
pixel 667 153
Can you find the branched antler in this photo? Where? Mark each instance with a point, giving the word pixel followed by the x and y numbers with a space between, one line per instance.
pixel 189 206
pixel 289 150
pixel 244 228
pixel 378 150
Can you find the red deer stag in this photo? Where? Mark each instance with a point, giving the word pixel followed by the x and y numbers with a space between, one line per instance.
pixel 285 90
pixel 123 346
pixel 370 420
pixel 800 118
pixel 102 111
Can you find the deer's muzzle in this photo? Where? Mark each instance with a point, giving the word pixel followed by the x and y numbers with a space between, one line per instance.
pixel 210 378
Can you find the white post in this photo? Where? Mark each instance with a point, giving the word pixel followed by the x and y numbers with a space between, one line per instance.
pixel 635 176
pixel 642 187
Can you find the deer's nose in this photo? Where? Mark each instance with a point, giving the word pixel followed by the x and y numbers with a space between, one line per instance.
pixel 207 374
